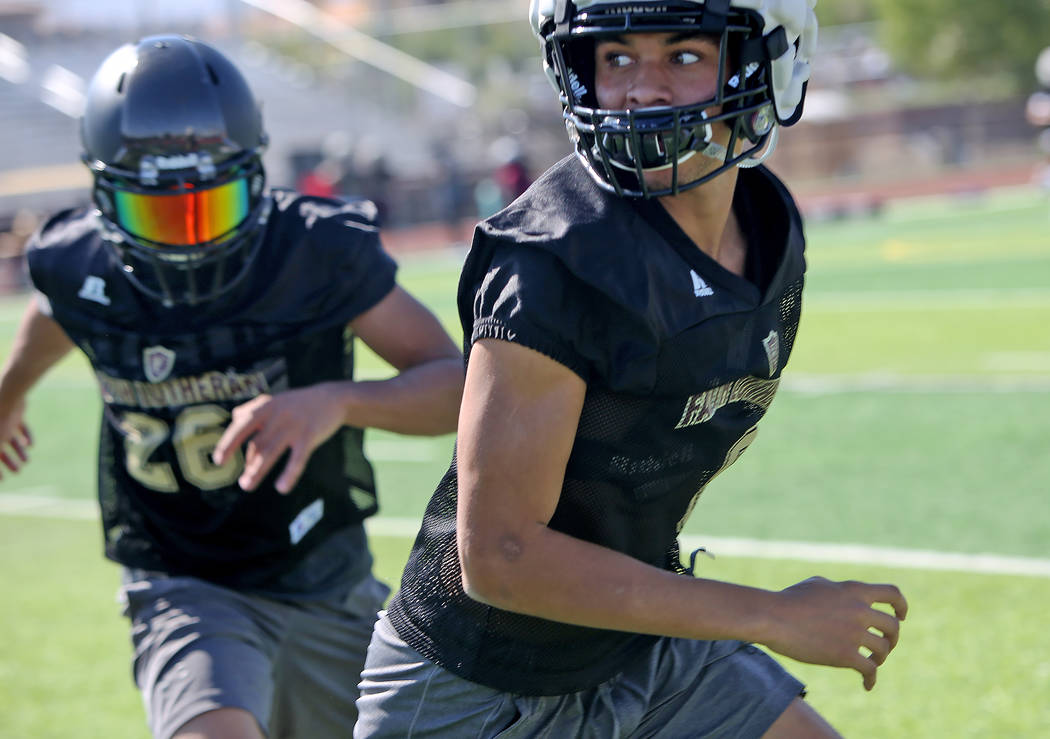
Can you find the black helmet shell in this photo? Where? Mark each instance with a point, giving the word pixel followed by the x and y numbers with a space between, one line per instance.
pixel 168 96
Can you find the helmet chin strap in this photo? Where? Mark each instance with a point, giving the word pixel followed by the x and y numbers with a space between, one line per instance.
pixel 717 152
pixel 771 144
pixel 628 168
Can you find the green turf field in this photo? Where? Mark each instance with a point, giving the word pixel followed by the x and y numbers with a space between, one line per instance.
pixel 914 415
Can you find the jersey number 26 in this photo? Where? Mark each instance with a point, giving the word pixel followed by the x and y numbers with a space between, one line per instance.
pixel 194 434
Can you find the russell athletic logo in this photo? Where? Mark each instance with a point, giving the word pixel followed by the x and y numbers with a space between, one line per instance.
pixel 94 289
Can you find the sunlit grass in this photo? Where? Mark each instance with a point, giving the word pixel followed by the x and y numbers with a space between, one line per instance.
pixel 932 320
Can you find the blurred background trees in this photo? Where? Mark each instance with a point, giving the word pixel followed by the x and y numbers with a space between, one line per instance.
pixel 956 41
pixel 904 93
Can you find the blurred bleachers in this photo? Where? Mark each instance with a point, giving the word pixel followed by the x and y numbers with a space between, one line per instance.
pixel 433 168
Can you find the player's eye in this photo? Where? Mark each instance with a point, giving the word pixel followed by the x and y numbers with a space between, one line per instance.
pixel 685 57
pixel 616 59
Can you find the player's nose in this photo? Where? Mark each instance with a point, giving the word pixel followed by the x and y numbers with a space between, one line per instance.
pixel 650 87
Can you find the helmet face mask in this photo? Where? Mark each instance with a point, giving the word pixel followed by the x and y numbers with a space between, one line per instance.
pixel 624 149
pixel 184 240
pixel 178 178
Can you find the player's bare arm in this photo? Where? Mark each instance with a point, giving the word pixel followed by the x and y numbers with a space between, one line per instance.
pixel 516 430
pixel 39 343
pixel 423 398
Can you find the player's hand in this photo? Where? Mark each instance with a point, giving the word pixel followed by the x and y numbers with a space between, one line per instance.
pixel 15 438
pixel 830 623
pixel 296 421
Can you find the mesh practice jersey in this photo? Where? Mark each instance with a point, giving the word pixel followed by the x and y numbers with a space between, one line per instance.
pixel 681 358
pixel 169 378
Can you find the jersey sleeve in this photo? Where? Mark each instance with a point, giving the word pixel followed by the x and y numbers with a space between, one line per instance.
pixel 366 274
pixel 340 270
pixel 527 297
pixel 44 264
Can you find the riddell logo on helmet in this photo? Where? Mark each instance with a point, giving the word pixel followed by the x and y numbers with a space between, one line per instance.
pixel 630 9
pixel 578 88
pixel 179 161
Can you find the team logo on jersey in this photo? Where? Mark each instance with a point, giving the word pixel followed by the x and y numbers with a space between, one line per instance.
pixel 700 288
pixel 772 346
pixel 158 362
pixel 94 289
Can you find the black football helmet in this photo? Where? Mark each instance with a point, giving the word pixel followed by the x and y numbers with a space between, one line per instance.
pixel 174 139
pixel 764 59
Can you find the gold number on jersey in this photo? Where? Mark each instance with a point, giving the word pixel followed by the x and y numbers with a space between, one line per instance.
pixel 731 456
pixel 196 432
pixel 142 435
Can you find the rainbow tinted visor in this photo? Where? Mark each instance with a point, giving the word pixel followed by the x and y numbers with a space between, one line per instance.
pixel 185 215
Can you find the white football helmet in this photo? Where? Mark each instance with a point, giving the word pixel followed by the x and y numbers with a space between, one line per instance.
pixel 765 47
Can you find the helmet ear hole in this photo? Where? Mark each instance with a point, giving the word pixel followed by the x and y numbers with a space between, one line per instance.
pixel 759 123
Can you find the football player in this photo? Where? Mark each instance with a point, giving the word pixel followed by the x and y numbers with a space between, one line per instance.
pixel 628 320
pixel 219 317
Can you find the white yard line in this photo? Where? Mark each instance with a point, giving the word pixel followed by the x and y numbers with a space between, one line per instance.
pixel 38 503
pixel 918 559
pixel 895 382
pixel 922 299
pixel 26 503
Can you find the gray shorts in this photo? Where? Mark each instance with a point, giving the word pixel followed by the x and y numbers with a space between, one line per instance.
pixel 682 688
pixel 294 665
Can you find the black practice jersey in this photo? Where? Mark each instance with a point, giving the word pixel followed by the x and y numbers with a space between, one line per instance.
pixel 170 377
pixel 681 358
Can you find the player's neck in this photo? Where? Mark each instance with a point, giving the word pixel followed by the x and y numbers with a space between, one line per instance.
pixel 705 215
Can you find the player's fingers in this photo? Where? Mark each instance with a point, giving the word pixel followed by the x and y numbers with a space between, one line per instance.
pixel 8 462
pixel 271 441
pixel 236 434
pixel 891 595
pixel 27 438
pixel 867 668
pixel 254 466
pixel 878 646
pixel 19 446
pixel 292 469
pixel 887 625
pixel 259 460
pixel 247 419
